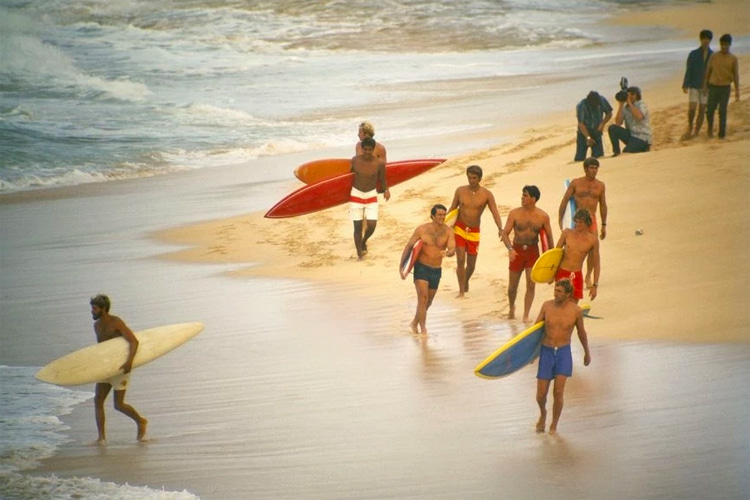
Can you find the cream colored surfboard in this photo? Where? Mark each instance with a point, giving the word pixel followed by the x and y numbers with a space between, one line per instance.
pixel 101 361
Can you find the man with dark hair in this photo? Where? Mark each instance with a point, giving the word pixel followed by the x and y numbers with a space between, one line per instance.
pixel 526 222
pixel 692 84
pixel 108 327
pixel 369 176
pixel 636 134
pixel 723 69
pixel 593 113
pixel 560 316
pixel 578 244
pixel 589 193
pixel 471 200
pixel 437 241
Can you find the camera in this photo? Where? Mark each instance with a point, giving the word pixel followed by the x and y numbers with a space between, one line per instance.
pixel 622 95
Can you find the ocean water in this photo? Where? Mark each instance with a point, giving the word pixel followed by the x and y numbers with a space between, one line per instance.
pixel 95 90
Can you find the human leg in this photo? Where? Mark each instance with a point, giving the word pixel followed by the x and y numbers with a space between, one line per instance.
pixel 711 105
pixel 358 238
pixel 123 407
pixel 636 145
pixel 370 229
pixel 420 317
pixel 100 395
pixel 514 278
pixel 461 269
pixel 558 400
pixel 471 264
pixel 617 134
pixel 724 96
pixel 529 297
pixel 542 387
pixel 597 150
pixel 581 147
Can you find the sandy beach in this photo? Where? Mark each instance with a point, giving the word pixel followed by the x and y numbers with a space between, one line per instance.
pixel 307 382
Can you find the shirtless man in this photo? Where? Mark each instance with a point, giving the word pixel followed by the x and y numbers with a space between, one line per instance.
pixel 555 360
pixel 108 327
pixel 367 130
pixel 579 244
pixel 589 193
pixel 526 222
pixel 471 200
pixel 369 175
pixel 437 241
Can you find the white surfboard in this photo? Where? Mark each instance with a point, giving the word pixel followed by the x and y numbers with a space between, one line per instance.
pixel 570 209
pixel 103 360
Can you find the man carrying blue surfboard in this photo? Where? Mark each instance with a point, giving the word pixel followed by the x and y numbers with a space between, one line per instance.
pixel 108 327
pixel 560 316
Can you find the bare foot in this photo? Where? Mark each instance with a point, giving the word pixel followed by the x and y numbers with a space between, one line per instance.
pixel 512 313
pixel 552 429
pixel 414 326
pixel 142 425
pixel 526 320
pixel 686 136
pixel 460 295
pixel 101 442
pixel 541 423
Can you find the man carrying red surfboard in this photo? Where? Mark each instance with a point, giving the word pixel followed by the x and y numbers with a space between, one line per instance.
pixel 369 178
pixel 527 223
pixel 437 241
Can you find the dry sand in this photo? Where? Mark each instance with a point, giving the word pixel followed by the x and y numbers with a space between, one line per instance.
pixel 683 279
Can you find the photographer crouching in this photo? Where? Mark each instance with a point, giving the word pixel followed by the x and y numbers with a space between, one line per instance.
pixel 637 131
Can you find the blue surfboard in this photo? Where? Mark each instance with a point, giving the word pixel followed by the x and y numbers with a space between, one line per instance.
pixel 516 353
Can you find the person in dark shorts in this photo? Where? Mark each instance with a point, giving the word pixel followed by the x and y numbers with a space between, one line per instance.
pixel 438 241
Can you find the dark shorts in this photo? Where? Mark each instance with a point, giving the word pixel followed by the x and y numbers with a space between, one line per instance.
pixel 429 274
pixel 554 361
pixel 526 257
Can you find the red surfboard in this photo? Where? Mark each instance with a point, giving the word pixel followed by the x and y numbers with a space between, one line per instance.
pixel 411 259
pixel 335 191
pixel 320 170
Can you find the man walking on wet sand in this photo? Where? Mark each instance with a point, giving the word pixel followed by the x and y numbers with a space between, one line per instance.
pixel 526 222
pixel 471 200
pixel 369 174
pixel 560 316
pixel 437 241
pixel 108 327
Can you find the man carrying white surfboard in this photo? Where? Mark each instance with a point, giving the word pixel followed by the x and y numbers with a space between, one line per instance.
pixel 589 193
pixel 527 223
pixel 560 316
pixel 438 241
pixel 106 327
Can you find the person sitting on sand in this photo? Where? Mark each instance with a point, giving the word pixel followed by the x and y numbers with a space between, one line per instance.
pixel 560 316
pixel 471 200
pixel 579 244
pixel 108 327
pixel 437 241
pixel 526 222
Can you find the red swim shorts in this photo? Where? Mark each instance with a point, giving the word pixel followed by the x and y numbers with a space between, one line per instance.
pixel 575 277
pixel 467 237
pixel 526 256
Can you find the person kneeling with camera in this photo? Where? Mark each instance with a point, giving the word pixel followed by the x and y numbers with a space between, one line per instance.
pixel 637 131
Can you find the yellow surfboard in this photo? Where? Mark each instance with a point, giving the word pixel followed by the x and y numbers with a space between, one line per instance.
pixel 545 268
pixel 451 217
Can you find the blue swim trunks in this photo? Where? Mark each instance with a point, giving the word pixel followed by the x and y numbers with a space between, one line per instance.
pixel 554 361
pixel 429 274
